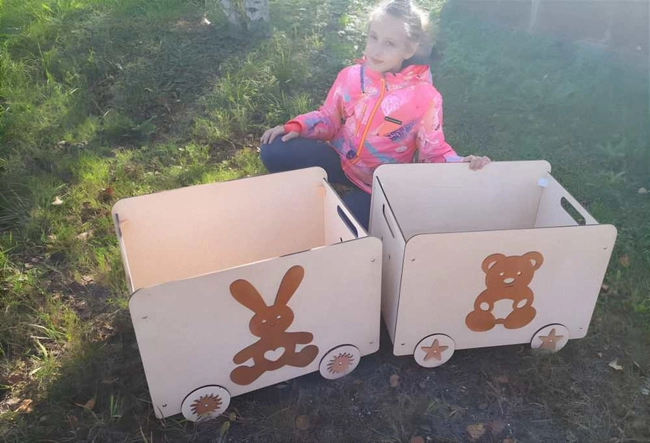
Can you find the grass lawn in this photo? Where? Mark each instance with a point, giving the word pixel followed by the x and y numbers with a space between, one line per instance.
pixel 105 99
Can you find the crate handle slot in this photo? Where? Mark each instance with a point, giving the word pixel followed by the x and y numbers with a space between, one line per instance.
pixel 117 226
pixel 572 211
pixel 383 211
pixel 347 222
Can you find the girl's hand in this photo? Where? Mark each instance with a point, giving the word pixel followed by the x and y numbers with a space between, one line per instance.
pixel 270 135
pixel 476 162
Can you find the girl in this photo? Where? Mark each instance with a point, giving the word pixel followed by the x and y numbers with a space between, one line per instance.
pixel 382 110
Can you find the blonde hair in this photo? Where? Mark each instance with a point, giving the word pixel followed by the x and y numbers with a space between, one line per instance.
pixel 416 22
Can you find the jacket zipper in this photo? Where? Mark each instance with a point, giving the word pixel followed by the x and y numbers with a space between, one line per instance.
pixel 372 115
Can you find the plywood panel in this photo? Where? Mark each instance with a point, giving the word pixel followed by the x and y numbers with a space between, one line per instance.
pixel 383 226
pixel 444 274
pixel 188 331
pixel 551 213
pixel 192 231
pixel 336 230
pixel 428 198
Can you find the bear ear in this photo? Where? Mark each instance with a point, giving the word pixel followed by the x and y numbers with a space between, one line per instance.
pixel 535 258
pixel 490 261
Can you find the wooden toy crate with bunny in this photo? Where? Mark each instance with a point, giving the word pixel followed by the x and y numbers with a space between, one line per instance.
pixel 484 258
pixel 243 284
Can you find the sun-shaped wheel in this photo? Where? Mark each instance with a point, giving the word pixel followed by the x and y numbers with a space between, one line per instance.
pixel 205 403
pixel 339 362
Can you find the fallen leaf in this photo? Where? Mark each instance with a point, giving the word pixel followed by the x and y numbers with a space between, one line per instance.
pixel 599 354
pixel 106 194
pixel 497 426
pixel 502 379
pixel 57 201
pixel 642 191
pixel 605 287
pixel 25 406
pixel 109 380
pixel 302 422
pixel 624 260
pixel 509 440
pixel 417 439
pixel 12 401
pixel 85 235
pixel 89 405
pixel 394 381
pixel 614 364
pixel 232 416
pixel 475 431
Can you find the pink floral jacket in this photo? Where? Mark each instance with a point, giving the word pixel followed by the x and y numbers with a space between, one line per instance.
pixel 371 119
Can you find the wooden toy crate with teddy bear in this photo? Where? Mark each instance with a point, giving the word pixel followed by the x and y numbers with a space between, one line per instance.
pixel 484 258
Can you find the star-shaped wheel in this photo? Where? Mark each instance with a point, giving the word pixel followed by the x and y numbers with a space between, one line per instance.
pixel 434 351
pixel 549 342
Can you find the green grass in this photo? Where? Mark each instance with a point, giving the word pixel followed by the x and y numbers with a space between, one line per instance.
pixel 101 100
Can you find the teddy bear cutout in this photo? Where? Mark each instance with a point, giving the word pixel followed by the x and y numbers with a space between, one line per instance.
pixel 276 347
pixel 506 278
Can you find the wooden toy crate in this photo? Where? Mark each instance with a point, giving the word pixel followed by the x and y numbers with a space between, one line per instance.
pixel 243 284
pixel 484 258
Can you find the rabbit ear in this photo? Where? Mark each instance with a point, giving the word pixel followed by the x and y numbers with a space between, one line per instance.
pixel 290 283
pixel 246 294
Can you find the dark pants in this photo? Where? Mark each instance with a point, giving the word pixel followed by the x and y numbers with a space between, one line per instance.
pixel 301 153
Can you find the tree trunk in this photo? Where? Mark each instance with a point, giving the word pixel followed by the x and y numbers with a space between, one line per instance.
pixel 257 13
pixel 252 15
pixel 229 8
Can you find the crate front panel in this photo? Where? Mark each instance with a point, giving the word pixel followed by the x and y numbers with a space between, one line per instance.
pixel 445 274
pixel 188 331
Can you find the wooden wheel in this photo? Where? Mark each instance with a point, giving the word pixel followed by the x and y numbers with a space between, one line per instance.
pixel 205 403
pixel 434 350
pixel 550 338
pixel 339 362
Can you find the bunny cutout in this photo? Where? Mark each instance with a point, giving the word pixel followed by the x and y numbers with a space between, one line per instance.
pixel 270 324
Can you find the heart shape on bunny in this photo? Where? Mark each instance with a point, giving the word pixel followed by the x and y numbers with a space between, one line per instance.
pixel 274 354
